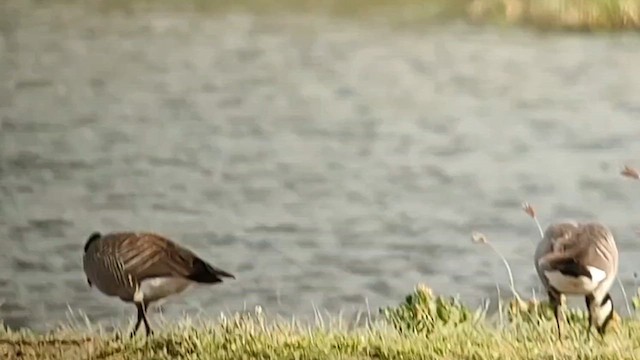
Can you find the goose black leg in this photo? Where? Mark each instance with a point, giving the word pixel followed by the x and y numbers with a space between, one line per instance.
pixel 147 328
pixel 142 318
pixel 555 299
pixel 138 321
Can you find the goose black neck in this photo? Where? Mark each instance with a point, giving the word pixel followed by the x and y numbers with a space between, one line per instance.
pixel 93 237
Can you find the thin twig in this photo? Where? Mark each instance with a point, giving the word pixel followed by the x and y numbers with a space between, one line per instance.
pixel 532 214
pixel 500 316
pixel 624 293
pixel 479 238
pixel 506 265
pixel 632 173
pixel 368 311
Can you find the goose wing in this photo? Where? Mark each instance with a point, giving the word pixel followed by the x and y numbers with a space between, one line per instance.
pixel 148 255
pixel 600 247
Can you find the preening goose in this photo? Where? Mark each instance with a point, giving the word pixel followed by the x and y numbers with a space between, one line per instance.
pixel 141 268
pixel 579 259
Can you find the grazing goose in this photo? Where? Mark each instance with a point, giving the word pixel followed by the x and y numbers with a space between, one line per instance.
pixel 143 268
pixel 579 259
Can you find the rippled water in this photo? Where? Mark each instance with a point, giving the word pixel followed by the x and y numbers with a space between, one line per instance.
pixel 326 163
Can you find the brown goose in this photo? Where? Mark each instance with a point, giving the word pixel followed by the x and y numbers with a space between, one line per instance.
pixel 143 268
pixel 579 259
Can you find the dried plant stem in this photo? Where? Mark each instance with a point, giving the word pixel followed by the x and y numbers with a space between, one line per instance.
pixel 500 316
pixel 630 172
pixel 529 210
pixel 506 265
pixel 624 293
pixel 539 227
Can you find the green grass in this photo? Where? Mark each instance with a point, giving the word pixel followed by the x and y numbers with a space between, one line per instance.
pixel 424 326
pixel 584 15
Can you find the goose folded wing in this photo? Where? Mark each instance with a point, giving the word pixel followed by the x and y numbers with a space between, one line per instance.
pixel 150 256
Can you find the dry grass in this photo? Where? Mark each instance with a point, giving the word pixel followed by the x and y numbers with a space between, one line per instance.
pixel 561 14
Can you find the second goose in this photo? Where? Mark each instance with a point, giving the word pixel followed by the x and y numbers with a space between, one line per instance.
pixel 579 259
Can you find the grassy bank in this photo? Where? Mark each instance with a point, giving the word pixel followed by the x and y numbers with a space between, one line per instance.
pixel 424 326
pixel 543 14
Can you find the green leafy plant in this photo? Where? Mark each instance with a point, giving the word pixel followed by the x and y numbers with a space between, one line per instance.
pixel 423 311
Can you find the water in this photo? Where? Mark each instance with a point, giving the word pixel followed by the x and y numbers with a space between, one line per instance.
pixel 326 163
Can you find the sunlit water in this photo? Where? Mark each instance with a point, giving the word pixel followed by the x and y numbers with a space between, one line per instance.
pixel 325 163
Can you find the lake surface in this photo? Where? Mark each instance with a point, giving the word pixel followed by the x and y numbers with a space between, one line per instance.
pixel 326 163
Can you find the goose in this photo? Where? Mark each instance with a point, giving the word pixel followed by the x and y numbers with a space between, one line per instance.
pixel 579 259
pixel 142 268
